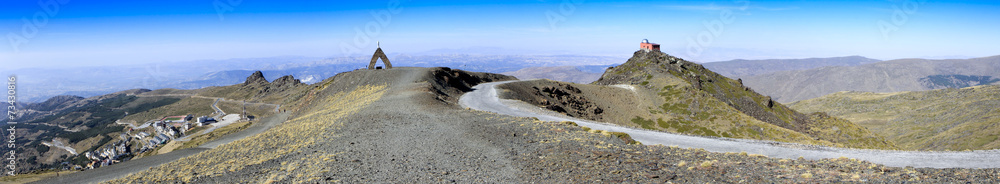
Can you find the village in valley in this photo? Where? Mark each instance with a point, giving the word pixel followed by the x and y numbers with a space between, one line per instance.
pixel 153 134
pixel 163 131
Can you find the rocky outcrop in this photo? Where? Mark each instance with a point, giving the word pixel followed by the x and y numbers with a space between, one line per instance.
pixel 285 81
pixel 255 78
pixel 559 97
pixel 257 86
pixel 449 83
pixel 565 98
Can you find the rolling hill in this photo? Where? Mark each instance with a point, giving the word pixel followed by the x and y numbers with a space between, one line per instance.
pixel 653 90
pixel 887 76
pixel 943 119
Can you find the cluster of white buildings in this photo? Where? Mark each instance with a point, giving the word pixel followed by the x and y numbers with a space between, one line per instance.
pixel 164 130
pixel 110 153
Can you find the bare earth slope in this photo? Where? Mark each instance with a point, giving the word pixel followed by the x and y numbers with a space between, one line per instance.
pixel 944 119
pixel 886 76
pixel 402 126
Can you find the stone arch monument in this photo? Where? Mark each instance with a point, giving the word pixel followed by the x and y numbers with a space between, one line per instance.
pixel 379 54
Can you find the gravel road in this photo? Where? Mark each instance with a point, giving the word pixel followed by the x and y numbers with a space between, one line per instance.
pixel 485 98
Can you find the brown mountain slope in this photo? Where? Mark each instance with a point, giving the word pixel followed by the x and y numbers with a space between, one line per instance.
pixel 886 76
pixel 943 119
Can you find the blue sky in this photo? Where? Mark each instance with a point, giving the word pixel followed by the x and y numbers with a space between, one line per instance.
pixel 96 33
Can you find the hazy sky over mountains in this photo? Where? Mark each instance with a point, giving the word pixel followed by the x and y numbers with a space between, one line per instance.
pixel 63 33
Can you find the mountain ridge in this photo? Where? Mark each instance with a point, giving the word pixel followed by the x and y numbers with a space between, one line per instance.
pixel 886 76
pixel 739 68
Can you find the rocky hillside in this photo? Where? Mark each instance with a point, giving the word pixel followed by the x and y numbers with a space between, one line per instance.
pixel 743 68
pixel 944 119
pixel 657 91
pixel 887 76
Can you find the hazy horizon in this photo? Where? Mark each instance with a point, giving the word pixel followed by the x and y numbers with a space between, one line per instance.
pixel 60 33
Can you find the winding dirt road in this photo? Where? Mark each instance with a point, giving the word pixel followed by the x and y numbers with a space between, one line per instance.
pixel 485 98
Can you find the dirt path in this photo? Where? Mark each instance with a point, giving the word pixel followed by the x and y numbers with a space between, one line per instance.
pixel 423 139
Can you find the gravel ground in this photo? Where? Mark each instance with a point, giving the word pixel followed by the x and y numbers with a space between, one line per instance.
pixel 410 135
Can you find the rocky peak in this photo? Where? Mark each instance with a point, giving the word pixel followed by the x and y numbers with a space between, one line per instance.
pixel 286 80
pixel 255 78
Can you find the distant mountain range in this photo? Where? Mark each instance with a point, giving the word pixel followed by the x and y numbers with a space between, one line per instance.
pixel 742 68
pixel 558 73
pixel 886 76
pixel 36 85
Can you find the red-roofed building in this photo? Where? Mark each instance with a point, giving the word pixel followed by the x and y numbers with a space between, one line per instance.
pixel 646 46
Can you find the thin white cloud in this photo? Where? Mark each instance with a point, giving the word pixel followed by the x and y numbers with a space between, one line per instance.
pixel 708 7
pixel 774 8
pixel 714 7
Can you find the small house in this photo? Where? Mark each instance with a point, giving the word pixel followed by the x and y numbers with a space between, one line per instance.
pixel 646 46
